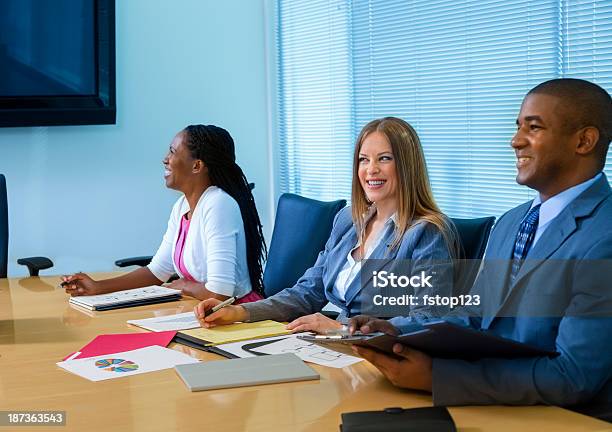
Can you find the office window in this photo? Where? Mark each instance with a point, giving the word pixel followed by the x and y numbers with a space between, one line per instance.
pixel 456 70
pixel 315 97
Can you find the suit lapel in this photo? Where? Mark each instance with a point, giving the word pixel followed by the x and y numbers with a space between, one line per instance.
pixel 552 238
pixel 338 257
pixel 379 253
pixel 559 230
pixel 564 225
pixel 497 266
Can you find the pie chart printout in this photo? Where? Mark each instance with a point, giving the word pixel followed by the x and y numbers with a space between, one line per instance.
pixel 116 365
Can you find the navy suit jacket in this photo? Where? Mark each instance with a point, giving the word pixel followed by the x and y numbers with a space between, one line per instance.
pixel 423 243
pixel 561 299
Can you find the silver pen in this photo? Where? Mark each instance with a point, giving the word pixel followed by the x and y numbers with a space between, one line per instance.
pixel 220 306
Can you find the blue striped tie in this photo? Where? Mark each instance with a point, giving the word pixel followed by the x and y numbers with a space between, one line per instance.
pixel 524 239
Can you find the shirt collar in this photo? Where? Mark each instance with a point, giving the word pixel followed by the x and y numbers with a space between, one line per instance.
pixel 372 211
pixel 551 208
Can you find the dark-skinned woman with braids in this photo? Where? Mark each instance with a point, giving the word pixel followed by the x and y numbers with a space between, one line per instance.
pixel 214 240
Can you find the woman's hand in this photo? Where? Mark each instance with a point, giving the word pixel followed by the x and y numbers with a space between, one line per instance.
pixel 80 284
pixel 317 322
pixel 193 289
pixel 227 315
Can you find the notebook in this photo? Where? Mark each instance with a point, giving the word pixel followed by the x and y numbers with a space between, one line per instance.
pixel 245 372
pixel 202 338
pixel 128 298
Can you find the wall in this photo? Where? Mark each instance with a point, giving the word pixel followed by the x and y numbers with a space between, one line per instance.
pixel 87 195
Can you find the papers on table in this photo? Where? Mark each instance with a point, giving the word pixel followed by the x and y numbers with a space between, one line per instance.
pixel 307 351
pixel 237 349
pixel 181 321
pixel 126 363
pixel 127 298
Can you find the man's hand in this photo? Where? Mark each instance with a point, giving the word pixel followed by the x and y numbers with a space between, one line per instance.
pixel 412 370
pixel 367 324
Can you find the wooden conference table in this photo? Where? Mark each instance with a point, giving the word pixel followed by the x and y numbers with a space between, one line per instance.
pixel 38 328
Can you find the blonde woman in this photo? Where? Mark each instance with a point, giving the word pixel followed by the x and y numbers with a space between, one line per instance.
pixel 393 216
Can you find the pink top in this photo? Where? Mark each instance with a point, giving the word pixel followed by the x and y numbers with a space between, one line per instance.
pixel 180 264
pixel 180 245
pixel 250 297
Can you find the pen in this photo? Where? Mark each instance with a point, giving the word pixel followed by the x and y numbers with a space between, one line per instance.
pixel 64 283
pixel 221 305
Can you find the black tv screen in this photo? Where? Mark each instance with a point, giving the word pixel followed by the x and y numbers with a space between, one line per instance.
pixel 57 62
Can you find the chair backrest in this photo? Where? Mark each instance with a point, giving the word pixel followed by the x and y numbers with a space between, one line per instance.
pixel 473 234
pixel 301 229
pixel 3 227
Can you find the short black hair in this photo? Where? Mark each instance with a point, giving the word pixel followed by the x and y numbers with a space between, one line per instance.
pixel 589 104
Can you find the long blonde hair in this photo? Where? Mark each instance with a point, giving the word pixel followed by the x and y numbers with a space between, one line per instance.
pixel 415 197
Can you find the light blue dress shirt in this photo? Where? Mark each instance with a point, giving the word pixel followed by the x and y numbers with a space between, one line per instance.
pixel 553 206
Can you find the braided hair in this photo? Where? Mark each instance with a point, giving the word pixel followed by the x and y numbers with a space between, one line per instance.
pixel 215 147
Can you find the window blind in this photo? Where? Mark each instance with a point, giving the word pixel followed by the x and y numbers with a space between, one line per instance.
pixel 315 98
pixel 587 53
pixel 456 70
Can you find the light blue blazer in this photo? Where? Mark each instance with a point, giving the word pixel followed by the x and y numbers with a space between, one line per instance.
pixel 560 300
pixel 423 243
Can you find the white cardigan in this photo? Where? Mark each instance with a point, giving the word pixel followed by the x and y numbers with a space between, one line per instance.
pixel 215 247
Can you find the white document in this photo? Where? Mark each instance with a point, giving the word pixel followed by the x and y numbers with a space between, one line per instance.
pixel 182 321
pixel 307 351
pixel 124 297
pixel 235 348
pixel 127 363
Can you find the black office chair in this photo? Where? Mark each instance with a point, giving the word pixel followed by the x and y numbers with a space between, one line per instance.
pixel 3 228
pixel 34 264
pixel 473 234
pixel 145 260
pixel 301 229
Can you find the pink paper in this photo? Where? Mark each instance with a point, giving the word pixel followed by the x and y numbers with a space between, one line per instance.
pixel 114 343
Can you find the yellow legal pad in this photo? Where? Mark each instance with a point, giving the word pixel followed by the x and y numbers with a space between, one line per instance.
pixel 233 332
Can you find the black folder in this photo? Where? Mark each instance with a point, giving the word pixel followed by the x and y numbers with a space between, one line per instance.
pixel 430 419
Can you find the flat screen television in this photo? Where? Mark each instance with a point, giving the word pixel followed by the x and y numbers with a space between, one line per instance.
pixel 57 62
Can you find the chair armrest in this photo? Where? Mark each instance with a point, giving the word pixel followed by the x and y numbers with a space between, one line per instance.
pixel 35 264
pixel 140 261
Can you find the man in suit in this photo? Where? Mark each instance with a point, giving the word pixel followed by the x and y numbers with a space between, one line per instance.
pixel 546 275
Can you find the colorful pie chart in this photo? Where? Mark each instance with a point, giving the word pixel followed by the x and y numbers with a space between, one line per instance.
pixel 116 365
